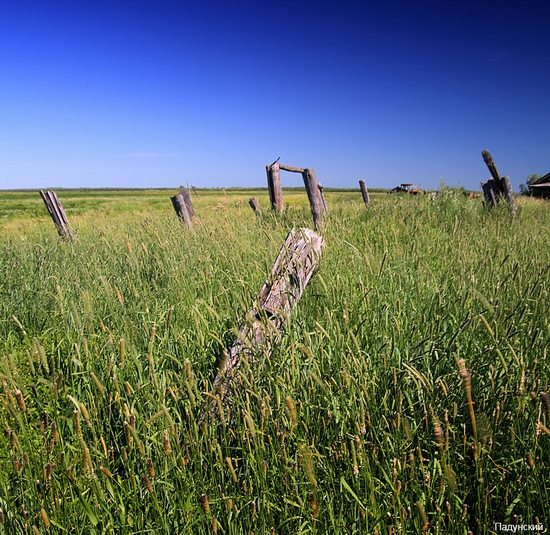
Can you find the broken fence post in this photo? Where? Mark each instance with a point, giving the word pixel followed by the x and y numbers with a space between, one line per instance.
pixel 253 202
pixel 364 192
pixel 180 207
pixel 186 194
pixel 289 276
pixel 500 187
pixel 314 196
pixel 490 193
pixel 57 214
pixel 274 187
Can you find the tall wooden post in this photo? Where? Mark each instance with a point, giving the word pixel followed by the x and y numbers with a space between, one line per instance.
pixel 314 196
pixel 274 187
pixel 508 195
pixel 178 202
pixel 364 192
pixel 55 209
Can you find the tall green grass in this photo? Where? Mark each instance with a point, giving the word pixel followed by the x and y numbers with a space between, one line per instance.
pixel 409 391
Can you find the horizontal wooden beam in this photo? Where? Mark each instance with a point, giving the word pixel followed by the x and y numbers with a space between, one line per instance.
pixel 291 169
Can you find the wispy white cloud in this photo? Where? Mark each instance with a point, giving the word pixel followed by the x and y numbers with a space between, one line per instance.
pixel 148 155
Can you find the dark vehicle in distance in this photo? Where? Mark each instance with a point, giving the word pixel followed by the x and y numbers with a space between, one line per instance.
pixel 406 188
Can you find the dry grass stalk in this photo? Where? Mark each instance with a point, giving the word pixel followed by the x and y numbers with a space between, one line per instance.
pixel 466 383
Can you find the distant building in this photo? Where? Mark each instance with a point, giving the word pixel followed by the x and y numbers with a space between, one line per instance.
pixel 541 187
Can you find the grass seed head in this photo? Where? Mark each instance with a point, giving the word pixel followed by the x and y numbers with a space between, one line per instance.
pixel 55 434
pixel 423 516
pixel 150 468
pixel 166 443
pixel 314 505
pixel 205 504
pixel 86 462
pixel 231 469
pixel 250 425
pixel 466 382
pixel 20 400
pixel 45 518
pixel 98 384
pixel 105 471
pixel 291 407
pixel 48 470
pixel 148 484
pixel 464 375
pixel 77 423
pixel 438 432
pixel 307 463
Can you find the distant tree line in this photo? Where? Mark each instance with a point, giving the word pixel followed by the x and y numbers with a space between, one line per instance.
pixel 525 189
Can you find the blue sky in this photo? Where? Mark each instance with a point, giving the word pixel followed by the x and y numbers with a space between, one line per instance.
pixel 161 94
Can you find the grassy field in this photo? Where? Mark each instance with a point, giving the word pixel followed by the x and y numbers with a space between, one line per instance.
pixel 408 393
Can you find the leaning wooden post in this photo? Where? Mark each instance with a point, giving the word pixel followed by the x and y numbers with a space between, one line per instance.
pixel 488 159
pixel 58 215
pixel 364 192
pixel 274 187
pixel 322 197
pixel 503 185
pixel 314 196
pixel 262 328
pixel 178 202
pixel 253 202
pixel 186 194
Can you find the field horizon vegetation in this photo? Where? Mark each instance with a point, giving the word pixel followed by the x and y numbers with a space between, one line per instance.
pixel 408 392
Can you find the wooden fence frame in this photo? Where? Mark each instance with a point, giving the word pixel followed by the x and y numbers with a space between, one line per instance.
pixel 314 190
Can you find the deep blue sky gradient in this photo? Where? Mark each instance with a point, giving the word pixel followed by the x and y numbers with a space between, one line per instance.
pixel 161 94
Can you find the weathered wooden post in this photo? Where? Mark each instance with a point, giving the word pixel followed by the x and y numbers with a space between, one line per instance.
pixel 274 187
pixel 501 187
pixel 508 195
pixel 178 202
pixel 57 214
pixel 253 202
pixel 490 193
pixel 289 276
pixel 186 194
pixel 314 196
pixel 364 192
